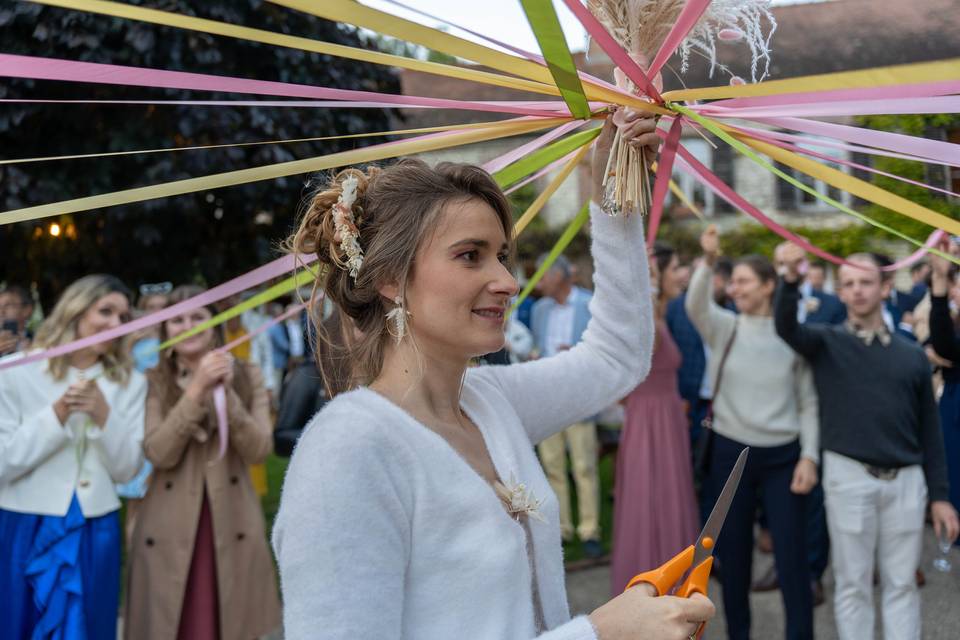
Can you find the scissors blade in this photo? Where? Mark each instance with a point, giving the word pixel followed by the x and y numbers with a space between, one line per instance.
pixel 719 514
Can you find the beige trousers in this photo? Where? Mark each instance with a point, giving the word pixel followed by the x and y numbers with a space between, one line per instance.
pixel 581 439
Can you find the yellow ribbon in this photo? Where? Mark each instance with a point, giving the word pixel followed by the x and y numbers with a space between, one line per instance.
pixel 690 204
pixel 502 129
pixel 169 19
pixel 541 200
pixel 920 72
pixel 357 14
pixel 856 186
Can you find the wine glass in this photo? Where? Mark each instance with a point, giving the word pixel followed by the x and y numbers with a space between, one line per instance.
pixel 943 545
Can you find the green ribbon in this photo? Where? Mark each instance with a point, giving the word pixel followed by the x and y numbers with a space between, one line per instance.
pixel 517 171
pixel 565 238
pixel 307 276
pixel 546 27
pixel 716 130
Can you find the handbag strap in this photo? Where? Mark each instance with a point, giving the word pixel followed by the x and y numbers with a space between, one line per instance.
pixel 708 419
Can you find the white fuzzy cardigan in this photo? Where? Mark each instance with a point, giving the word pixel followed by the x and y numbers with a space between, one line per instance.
pixel 385 532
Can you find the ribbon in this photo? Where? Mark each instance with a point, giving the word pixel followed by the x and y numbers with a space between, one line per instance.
pixel 240 283
pixel 756 133
pixel 541 200
pixel 730 196
pixel 220 392
pixel 692 11
pixel 858 187
pixel 928 104
pixel 412 146
pixel 542 157
pixel 694 167
pixel 565 238
pixel 917 90
pixel 917 73
pixel 827 174
pixel 111 154
pixel 15 66
pixel 363 16
pixel 612 48
pixel 170 19
pixel 831 144
pixel 556 164
pixel 945 152
pixel 549 34
pixel 504 45
pixel 495 165
pixel 664 172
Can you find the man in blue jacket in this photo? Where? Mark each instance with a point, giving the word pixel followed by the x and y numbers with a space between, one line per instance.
pixel 558 320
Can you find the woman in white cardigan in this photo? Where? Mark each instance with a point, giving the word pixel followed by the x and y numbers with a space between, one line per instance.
pixel 414 506
pixel 764 398
pixel 70 428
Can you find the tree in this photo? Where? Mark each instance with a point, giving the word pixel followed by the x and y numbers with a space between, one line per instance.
pixel 203 236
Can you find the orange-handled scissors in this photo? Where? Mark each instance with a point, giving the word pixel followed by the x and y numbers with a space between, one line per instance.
pixel 697 558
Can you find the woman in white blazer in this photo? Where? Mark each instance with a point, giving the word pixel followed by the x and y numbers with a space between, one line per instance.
pixel 70 428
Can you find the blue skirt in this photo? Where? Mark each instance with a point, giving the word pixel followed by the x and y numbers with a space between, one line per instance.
pixel 60 576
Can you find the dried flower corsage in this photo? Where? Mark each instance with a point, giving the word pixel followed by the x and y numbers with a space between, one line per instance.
pixel 345 226
pixel 518 499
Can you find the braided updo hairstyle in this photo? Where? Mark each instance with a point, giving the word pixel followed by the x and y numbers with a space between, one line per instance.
pixel 396 210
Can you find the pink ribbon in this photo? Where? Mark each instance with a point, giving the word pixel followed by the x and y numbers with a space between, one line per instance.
pixel 848 163
pixel 944 152
pixel 767 134
pixel 250 279
pixel 693 166
pixel 919 90
pixel 73 71
pixel 556 164
pixel 220 392
pixel 492 166
pixel 692 11
pixel 889 106
pixel 664 173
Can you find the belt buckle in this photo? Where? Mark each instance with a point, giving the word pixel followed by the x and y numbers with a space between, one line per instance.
pixel 881 473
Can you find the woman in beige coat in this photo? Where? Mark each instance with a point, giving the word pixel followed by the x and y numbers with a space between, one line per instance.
pixel 199 563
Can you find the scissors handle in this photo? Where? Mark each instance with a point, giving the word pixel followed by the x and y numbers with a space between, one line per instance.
pixel 697 581
pixel 668 574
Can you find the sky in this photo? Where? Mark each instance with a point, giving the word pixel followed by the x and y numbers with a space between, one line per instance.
pixel 501 19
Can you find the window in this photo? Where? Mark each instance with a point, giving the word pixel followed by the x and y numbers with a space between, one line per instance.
pixel 718 158
pixel 791 198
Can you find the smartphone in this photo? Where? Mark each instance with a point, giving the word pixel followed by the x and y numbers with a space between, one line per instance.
pixel 11 325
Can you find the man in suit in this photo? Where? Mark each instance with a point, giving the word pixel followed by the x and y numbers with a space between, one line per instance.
pixel 558 320
pixel 919 273
pixel 899 305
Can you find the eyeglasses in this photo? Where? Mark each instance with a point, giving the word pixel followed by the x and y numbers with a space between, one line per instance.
pixel 157 289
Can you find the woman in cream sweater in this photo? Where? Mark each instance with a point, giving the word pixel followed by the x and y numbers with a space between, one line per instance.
pixel 764 398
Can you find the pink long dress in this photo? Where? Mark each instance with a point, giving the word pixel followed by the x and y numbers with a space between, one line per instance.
pixel 655 513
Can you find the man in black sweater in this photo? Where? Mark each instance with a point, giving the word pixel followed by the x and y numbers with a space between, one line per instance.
pixel 883 448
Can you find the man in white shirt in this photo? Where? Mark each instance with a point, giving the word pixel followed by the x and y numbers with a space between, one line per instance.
pixel 558 320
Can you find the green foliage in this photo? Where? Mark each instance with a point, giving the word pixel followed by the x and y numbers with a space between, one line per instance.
pixel 209 236
pixel 751 238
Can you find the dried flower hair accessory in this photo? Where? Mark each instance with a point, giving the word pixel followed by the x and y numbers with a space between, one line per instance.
pixel 345 226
